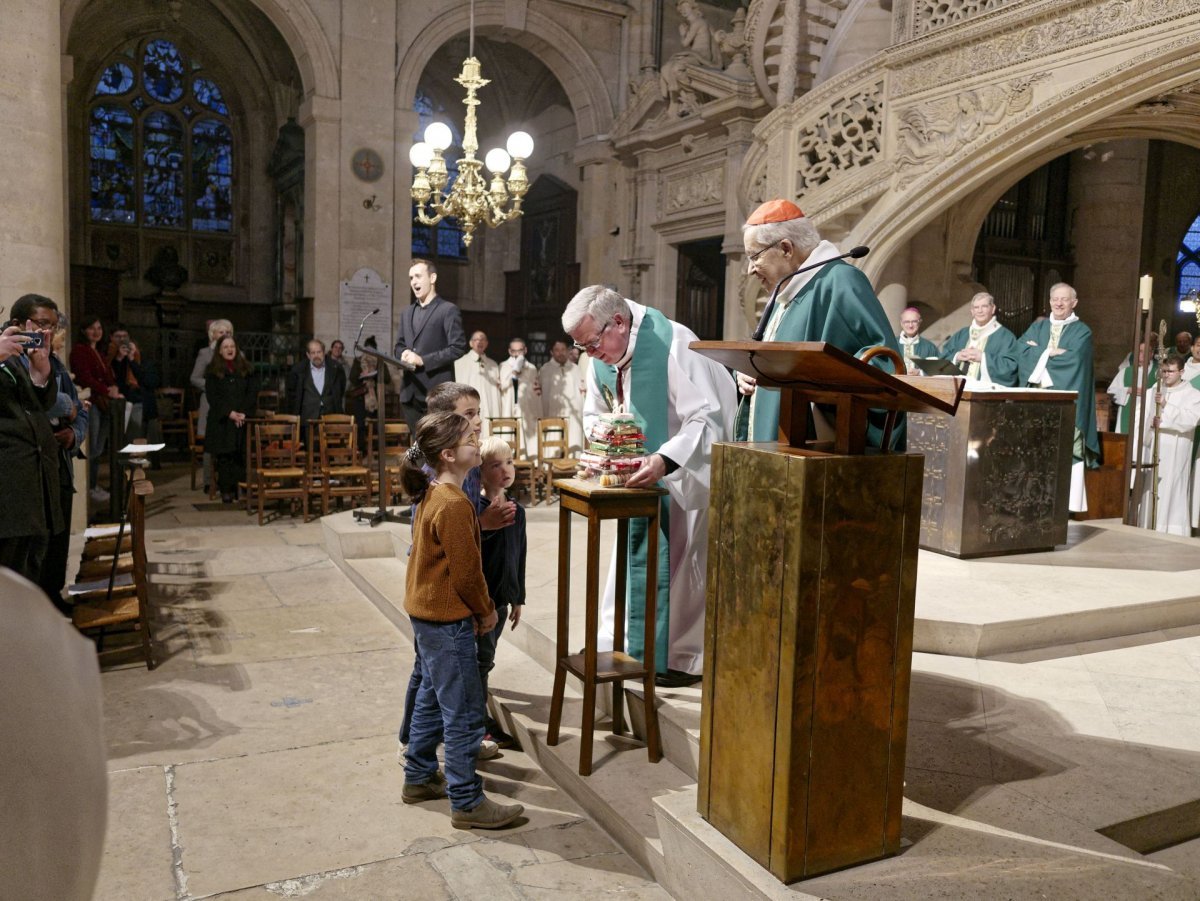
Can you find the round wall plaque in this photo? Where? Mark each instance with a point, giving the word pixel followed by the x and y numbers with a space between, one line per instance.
pixel 367 164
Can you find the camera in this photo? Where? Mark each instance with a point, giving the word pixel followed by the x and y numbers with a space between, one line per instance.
pixel 35 339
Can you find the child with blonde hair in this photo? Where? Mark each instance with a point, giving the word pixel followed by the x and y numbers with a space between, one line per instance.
pixel 447 601
pixel 503 563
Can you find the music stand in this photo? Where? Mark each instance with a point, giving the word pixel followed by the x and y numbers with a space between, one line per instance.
pixel 382 514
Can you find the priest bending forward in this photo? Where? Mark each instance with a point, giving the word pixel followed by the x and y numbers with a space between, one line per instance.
pixel 683 402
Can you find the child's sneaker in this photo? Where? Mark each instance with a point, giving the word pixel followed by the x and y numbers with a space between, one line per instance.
pixel 501 738
pixel 487 750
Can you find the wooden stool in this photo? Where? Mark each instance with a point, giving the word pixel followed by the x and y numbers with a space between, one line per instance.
pixel 597 504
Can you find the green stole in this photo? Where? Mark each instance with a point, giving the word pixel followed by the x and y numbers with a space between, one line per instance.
pixel 647 401
pixel 1125 417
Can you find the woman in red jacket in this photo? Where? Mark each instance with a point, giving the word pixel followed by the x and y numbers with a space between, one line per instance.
pixel 91 369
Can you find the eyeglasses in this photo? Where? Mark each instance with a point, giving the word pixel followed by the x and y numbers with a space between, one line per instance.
pixel 753 258
pixel 44 323
pixel 594 343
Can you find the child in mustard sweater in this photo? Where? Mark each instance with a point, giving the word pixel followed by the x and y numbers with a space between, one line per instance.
pixel 447 601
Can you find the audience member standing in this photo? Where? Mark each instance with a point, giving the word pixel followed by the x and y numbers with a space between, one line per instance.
pixel 217 329
pixel 520 394
pixel 563 385
pixel 91 370
pixel 30 454
pixel 447 601
pixel 125 358
pixel 337 356
pixel 362 398
pixel 1056 353
pixel 430 339
pixel 232 395
pixel 314 387
pixel 68 420
pixel 481 372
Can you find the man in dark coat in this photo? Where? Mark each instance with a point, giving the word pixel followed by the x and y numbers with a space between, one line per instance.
pixel 32 509
pixel 429 340
pixel 69 423
pixel 315 388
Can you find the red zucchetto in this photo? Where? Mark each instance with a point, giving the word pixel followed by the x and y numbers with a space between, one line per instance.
pixel 775 211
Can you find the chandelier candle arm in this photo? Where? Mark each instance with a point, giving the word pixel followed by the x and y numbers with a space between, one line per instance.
pixel 470 200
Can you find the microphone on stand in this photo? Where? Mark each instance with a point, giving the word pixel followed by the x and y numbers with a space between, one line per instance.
pixel 361 325
pixel 853 252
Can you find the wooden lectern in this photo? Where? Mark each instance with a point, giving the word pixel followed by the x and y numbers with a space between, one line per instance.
pixel 812 570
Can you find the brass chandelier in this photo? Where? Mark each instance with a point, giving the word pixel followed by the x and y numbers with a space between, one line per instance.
pixel 470 199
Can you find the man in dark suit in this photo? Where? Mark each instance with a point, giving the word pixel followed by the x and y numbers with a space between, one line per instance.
pixel 31 505
pixel 315 388
pixel 430 339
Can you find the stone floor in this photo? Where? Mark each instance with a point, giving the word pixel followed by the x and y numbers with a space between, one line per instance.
pixel 259 759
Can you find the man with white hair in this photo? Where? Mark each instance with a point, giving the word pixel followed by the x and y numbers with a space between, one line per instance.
pixel 912 345
pixel 683 402
pixel 833 303
pixel 1056 353
pixel 985 350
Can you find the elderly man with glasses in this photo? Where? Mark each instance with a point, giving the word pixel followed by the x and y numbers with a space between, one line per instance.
pixel 833 303
pixel 683 402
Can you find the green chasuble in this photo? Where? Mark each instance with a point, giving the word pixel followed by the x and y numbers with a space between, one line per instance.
pixel 1070 371
pixel 1000 351
pixel 647 401
pixel 922 347
pixel 837 306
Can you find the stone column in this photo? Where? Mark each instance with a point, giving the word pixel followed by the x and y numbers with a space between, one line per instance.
pixel 1107 195
pixel 599 212
pixel 320 117
pixel 32 180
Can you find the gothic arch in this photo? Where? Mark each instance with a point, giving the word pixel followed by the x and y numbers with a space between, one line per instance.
pixel 553 45
pixel 298 26
pixel 1092 110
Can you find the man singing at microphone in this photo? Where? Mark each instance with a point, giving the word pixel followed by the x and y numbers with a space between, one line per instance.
pixel 833 302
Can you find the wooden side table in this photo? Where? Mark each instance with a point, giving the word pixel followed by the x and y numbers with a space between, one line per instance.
pixel 592 667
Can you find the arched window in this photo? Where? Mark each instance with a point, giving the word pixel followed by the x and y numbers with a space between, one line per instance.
pixel 1189 267
pixel 444 240
pixel 160 143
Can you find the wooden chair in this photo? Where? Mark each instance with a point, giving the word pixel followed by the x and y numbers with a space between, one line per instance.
pixel 340 472
pixel 277 473
pixel 554 453
pixel 98 608
pixel 172 414
pixel 396 441
pixel 195 446
pixel 529 476
pixel 267 403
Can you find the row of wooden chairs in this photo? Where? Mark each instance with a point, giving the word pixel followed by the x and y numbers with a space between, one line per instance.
pixel 536 474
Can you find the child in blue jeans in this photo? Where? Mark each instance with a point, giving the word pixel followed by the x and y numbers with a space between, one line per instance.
pixel 447 601
pixel 503 564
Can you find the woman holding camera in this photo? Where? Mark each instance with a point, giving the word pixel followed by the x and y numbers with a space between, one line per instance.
pixel 232 394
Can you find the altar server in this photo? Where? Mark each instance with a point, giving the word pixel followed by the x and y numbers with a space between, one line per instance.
pixel 1176 429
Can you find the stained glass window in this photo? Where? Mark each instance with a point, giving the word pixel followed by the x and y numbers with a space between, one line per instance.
pixel 161 143
pixel 1189 265
pixel 212 176
pixel 110 134
pixel 162 69
pixel 210 95
pixel 162 175
pixel 117 79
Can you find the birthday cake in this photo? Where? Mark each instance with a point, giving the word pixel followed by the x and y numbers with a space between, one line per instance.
pixel 616 447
